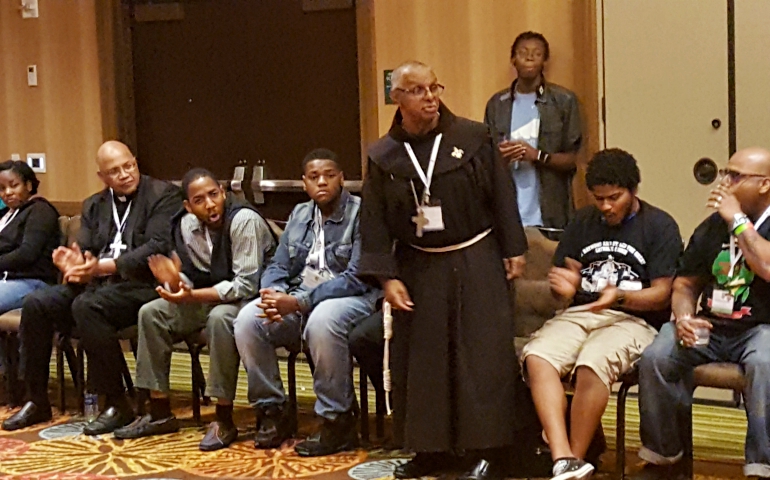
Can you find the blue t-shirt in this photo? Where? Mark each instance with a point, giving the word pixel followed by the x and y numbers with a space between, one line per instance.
pixel 525 125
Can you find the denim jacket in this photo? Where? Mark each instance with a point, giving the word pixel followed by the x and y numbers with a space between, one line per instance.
pixel 342 254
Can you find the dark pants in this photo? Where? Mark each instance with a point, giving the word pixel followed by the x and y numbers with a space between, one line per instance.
pixel 366 345
pixel 98 311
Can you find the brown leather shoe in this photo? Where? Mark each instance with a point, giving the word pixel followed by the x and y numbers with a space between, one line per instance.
pixel 218 436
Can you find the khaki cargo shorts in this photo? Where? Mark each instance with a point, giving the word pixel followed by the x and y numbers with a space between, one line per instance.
pixel 608 342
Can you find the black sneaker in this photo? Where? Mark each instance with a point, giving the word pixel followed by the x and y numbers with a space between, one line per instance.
pixel 335 436
pixel 274 427
pixel 423 464
pixel 571 469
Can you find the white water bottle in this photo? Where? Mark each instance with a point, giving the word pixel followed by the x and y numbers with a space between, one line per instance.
pixel 91 406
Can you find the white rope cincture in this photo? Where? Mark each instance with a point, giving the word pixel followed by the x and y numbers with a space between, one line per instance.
pixel 387 323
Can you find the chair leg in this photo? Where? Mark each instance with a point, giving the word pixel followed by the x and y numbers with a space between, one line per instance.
pixel 80 383
pixel 198 380
pixel 379 401
pixel 364 396
pixel 128 381
pixel 69 354
pixel 688 447
pixel 620 435
pixel 60 342
pixel 291 365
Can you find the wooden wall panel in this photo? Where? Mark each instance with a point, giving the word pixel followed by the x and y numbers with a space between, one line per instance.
pixel 468 43
pixel 62 116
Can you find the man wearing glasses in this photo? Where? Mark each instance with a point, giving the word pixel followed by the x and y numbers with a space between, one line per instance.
pixel 537 124
pixel 106 281
pixel 726 265
pixel 436 190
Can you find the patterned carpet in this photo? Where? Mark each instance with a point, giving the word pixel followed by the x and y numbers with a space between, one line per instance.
pixel 58 451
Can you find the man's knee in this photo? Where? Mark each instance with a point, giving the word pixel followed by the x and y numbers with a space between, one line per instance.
pixel 220 322
pixel 659 355
pixel 325 322
pixel 82 309
pixel 757 361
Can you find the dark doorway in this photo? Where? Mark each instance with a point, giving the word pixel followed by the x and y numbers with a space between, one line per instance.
pixel 245 79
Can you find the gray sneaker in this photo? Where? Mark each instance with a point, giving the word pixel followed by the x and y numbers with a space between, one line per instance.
pixel 571 469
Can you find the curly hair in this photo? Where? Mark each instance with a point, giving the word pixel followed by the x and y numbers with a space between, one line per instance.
pixel 613 166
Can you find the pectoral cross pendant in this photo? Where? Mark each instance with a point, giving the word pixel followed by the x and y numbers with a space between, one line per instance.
pixel 117 247
pixel 420 221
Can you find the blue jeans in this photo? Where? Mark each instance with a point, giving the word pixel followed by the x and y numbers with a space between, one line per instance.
pixel 326 334
pixel 12 293
pixel 666 384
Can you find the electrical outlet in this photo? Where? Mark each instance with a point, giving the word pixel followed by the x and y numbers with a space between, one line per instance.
pixel 36 161
pixel 29 9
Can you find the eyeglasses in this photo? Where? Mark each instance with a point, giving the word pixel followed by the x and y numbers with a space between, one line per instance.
pixel 735 176
pixel 435 89
pixel 128 167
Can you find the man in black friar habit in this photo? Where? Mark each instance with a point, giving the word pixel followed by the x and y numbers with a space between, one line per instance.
pixel 107 279
pixel 436 187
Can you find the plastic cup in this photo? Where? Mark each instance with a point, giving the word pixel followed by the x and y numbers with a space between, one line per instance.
pixel 702 336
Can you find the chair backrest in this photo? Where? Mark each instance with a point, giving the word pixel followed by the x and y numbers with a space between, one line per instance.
pixel 533 302
pixel 73 228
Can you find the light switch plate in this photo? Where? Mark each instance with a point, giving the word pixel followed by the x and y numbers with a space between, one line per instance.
pixel 32 75
pixel 15 156
pixel 36 161
pixel 29 9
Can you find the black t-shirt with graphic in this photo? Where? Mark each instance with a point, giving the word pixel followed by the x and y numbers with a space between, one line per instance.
pixel 644 247
pixel 708 255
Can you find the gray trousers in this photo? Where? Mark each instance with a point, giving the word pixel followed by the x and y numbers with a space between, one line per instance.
pixel 162 323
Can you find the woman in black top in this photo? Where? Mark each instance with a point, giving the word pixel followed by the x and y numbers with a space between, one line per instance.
pixel 29 232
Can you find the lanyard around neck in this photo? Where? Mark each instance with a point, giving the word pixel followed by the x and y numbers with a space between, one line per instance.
pixel 119 223
pixel 8 218
pixel 735 251
pixel 319 239
pixel 426 179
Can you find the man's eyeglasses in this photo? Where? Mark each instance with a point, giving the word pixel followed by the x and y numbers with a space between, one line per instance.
pixel 735 176
pixel 435 89
pixel 128 167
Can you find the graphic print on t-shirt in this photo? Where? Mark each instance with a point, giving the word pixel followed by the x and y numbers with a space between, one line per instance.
pixel 608 270
pixel 738 285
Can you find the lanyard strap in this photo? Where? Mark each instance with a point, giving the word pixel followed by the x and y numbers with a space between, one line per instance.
pixel 120 223
pixel 426 179
pixel 735 251
pixel 208 241
pixel 319 239
pixel 8 218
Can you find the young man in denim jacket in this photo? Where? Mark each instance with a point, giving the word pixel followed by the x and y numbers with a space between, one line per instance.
pixel 309 294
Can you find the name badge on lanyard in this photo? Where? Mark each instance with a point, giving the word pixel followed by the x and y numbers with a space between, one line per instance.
pixel 313 277
pixel 722 301
pixel 429 218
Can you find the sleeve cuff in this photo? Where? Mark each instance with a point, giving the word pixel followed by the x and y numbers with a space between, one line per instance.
pixel 377 265
pixel 303 299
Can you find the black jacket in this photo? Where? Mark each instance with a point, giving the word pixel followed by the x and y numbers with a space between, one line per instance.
pixel 148 228
pixel 221 255
pixel 27 243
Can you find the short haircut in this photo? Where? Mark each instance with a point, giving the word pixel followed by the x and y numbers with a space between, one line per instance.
pixel 397 76
pixel 321 154
pixel 24 172
pixel 531 36
pixel 194 175
pixel 613 166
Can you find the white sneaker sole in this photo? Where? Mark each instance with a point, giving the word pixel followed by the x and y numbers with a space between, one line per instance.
pixel 582 473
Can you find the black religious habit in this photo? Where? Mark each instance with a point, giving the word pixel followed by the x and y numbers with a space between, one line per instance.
pixel 454 363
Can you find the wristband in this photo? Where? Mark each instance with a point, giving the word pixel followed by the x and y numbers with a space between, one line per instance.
pixel 742 228
pixel 543 157
pixel 738 220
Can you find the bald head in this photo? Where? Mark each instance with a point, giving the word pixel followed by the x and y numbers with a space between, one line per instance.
pixel 112 149
pixel 752 160
pixel 117 167
pixel 408 70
